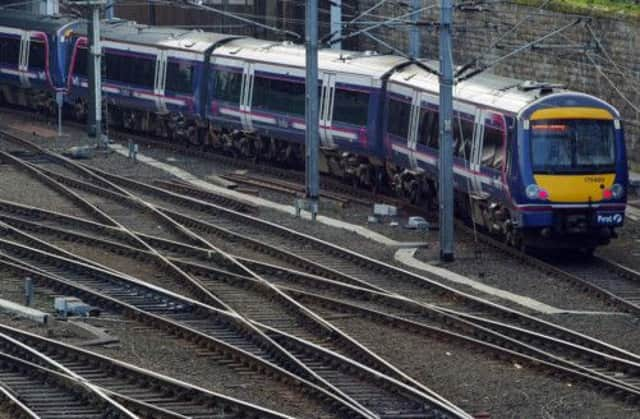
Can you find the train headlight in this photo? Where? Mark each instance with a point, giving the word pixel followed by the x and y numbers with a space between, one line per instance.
pixel 617 191
pixel 536 192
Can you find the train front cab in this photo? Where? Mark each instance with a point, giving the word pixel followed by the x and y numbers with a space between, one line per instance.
pixel 570 190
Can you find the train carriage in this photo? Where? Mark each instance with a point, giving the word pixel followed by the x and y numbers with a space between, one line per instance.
pixel 259 89
pixel 34 56
pixel 154 78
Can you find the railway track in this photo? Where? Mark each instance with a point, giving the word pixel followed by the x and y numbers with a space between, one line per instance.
pixel 285 180
pixel 413 284
pixel 183 319
pixel 38 387
pixel 144 392
pixel 534 349
pixel 607 275
pixel 149 192
pixel 621 290
pixel 314 374
pixel 607 280
pixel 603 278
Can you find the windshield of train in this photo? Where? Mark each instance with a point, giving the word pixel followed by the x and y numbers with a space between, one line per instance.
pixel 572 146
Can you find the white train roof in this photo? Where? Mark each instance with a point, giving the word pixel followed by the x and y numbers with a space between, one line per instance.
pixel 285 53
pixel 162 37
pixel 488 90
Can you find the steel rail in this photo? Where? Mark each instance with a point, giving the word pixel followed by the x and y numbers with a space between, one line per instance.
pixel 221 232
pixel 13 405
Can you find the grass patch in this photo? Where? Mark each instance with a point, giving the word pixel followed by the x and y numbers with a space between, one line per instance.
pixel 626 9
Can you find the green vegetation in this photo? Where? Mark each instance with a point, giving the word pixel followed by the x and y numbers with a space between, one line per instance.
pixel 625 9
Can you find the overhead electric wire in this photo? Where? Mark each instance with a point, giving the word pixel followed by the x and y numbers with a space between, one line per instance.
pixel 635 107
pixel 512 53
pixel 402 54
pixel 476 59
pixel 372 27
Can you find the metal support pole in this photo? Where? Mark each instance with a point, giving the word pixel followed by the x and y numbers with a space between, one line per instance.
pixel 415 46
pixel 336 22
pixel 445 187
pixel 109 12
pixel 152 13
pixel 95 81
pixel 312 102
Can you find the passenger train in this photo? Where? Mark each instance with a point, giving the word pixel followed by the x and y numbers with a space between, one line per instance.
pixel 534 163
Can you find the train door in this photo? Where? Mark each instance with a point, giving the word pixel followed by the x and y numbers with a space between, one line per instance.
pixel 23 62
pixel 475 161
pixel 246 96
pixel 414 123
pixel 327 96
pixel 160 81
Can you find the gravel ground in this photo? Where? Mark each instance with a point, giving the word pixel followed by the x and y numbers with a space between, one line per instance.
pixel 464 376
pixel 19 187
pixel 165 354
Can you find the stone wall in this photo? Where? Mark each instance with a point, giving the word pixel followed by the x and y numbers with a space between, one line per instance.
pixel 574 57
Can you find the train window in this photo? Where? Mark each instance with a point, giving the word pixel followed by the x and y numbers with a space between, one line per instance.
pixel 278 95
pixel 130 70
pixel 81 63
pixel 227 86
pixel 179 77
pixel 36 54
pixel 428 132
pixel 492 148
pixel 462 136
pixel 9 50
pixel 351 107
pixel 143 72
pixel 399 114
